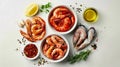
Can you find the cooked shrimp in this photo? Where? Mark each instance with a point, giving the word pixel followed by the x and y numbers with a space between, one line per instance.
pixel 60 12
pixel 62 25
pixel 39 36
pixel 49 41
pixel 28 27
pixel 25 35
pixel 56 40
pixel 62 19
pixel 67 24
pixel 36 29
pixel 72 19
pixel 45 48
pixel 64 48
pixel 57 53
pixel 38 20
pixel 49 51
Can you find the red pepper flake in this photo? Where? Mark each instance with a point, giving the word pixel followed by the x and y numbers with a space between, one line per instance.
pixel 30 50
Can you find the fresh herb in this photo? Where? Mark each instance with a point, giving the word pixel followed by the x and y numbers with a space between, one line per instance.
pixel 83 55
pixel 45 8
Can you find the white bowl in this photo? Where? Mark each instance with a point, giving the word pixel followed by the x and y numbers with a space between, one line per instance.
pixel 72 28
pixel 33 57
pixel 59 60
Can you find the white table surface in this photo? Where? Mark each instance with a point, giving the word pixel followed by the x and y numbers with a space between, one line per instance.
pixel 106 55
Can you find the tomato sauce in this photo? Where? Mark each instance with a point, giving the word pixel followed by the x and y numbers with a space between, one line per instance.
pixel 61 19
pixel 30 50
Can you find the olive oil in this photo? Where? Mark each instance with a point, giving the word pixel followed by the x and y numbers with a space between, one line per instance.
pixel 90 15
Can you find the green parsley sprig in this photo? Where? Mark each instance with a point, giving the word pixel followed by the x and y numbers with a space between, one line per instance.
pixel 45 8
pixel 83 55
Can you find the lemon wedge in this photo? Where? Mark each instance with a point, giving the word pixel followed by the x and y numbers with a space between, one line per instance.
pixel 90 15
pixel 32 9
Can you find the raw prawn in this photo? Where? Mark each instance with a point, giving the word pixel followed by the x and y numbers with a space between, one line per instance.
pixel 91 36
pixel 79 36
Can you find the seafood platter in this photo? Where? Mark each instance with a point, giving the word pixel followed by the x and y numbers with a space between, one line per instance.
pixel 59 33
pixel 55 47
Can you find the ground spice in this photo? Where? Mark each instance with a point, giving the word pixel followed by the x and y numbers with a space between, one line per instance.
pixel 77 9
pixel 42 61
pixel 94 46
pixel 24 41
pixel 19 41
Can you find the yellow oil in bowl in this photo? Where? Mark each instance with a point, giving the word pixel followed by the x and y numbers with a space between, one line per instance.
pixel 90 15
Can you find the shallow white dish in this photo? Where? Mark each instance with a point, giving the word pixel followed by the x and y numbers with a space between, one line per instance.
pixel 72 28
pixel 61 59
pixel 38 53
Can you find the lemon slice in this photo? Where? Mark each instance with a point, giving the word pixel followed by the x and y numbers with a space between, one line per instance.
pixel 32 9
pixel 90 15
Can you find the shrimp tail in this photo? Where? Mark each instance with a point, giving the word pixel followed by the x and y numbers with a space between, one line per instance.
pixel 27 36
pixel 28 27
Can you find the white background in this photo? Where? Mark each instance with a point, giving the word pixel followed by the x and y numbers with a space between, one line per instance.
pixel 107 26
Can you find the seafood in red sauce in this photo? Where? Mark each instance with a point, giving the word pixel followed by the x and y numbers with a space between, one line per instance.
pixel 35 29
pixel 61 19
pixel 54 47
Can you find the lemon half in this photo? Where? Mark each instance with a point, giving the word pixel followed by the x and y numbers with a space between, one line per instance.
pixel 32 9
